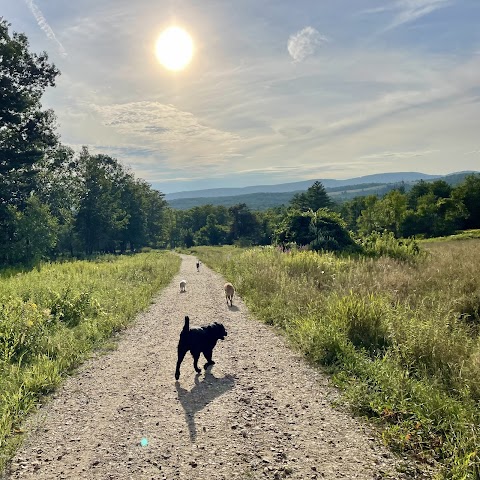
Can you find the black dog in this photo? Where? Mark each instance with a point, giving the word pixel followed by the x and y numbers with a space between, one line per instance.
pixel 198 340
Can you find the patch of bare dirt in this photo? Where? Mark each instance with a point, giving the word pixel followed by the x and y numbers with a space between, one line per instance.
pixel 260 413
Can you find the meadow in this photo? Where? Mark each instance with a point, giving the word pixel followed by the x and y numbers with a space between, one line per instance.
pixel 52 317
pixel 400 337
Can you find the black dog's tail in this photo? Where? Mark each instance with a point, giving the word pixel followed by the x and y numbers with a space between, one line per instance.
pixel 186 327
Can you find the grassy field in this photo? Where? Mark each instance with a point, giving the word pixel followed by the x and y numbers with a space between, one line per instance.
pixel 401 338
pixel 463 235
pixel 53 316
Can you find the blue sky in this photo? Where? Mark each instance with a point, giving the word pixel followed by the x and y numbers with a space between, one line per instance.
pixel 277 91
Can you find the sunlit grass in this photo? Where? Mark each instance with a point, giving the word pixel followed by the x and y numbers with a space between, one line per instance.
pixel 53 316
pixel 400 337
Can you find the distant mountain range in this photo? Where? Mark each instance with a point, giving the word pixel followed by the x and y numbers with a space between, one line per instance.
pixel 261 197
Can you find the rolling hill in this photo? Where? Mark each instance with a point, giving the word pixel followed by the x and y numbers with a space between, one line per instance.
pixel 262 197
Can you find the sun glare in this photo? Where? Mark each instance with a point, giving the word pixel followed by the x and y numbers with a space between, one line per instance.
pixel 174 48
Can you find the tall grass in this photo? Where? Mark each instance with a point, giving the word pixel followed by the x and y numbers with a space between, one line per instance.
pixel 53 316
pixel 401 338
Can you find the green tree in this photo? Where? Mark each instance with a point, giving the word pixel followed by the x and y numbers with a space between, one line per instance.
pixel 101 218
pixel 367 221
pixel 27 133
pixel 468 192
pixel 351 210
pixel 320 230
pixel 35 233
pixel 419 189
pixel 329 232
pixel 212 233
pixel 244 224
pixel 295 228
pixel 314 198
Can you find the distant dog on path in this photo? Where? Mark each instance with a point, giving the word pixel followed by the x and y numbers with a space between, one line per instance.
pixel 183 286
pixel 229 292
pixel 198 340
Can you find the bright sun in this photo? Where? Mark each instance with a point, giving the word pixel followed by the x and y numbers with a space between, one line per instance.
pixel 174 48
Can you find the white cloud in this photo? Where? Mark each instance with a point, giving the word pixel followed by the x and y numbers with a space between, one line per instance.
pixel 42 23
pixel 399 155
pixel 305 43
pixel 168 131
pixel 410 10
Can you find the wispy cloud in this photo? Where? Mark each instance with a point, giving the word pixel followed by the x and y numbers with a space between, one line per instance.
pixel 42 23
pixel 168 130
pixel 399 155
pixel 407 11
pixel 305 43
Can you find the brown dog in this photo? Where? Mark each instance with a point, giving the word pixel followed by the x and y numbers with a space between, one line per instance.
pixel 229 292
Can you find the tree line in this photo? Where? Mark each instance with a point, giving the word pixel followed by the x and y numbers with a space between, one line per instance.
pixel 55 201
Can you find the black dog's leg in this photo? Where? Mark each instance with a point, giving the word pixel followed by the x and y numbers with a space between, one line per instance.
pixel 181 356
pixel 196 356
pixel 208 356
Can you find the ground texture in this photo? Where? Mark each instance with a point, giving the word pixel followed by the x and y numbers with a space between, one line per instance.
pixel 260 413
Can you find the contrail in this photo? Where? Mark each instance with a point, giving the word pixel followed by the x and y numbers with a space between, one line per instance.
pixel 42 23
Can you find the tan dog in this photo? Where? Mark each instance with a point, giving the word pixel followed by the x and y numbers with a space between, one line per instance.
pixel 229 292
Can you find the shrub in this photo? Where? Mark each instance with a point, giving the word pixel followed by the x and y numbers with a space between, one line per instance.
pixel 385 244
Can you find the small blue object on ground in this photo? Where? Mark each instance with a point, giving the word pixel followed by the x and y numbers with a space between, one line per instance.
pixel 143 442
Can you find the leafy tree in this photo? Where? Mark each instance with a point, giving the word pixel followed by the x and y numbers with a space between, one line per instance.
pixel 314 198
pixel 34 233
pixel 440 188
pixel 133 199
pixel 156 205
pixel 212 233
pixel 468 192
pixel 351 210
pixel 320 230
pixel 26 131
pixel 101 217
pixel 59 187
pixel 244 223
pixel 295 228
pixel 434 216
pixel 367 221
pixel 419 189
pixel 329 232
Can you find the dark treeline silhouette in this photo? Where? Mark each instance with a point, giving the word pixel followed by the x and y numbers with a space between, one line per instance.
pixel 54 201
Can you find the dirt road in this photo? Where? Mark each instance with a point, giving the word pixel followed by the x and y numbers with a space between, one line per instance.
pixel 260 413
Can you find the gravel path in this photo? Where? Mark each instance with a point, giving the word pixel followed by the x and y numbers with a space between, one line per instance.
pixel 260 413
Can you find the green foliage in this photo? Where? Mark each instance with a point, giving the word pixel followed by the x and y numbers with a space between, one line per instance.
pixel 392 333
pixel 468 193
pixel 379 244
pixel 244 224
pixel 53 316
pixel 314 198
pixel 329 232
pixel 27 132
pixel 320 230
pixel 21 326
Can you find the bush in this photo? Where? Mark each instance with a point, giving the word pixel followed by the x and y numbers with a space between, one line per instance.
pixel 385 244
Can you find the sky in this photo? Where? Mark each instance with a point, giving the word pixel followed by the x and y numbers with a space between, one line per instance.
pixel 277 90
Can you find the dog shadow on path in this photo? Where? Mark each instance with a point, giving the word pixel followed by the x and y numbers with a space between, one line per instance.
pixel 202 393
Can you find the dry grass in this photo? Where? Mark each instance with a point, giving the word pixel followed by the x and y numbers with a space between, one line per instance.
pixel 401 337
